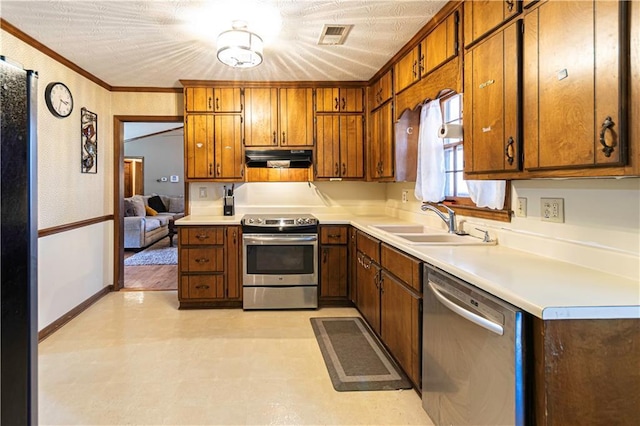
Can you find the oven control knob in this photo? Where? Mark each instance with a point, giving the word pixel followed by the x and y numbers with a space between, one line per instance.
pixel 250 220
pixel 300 221
pixel 259 220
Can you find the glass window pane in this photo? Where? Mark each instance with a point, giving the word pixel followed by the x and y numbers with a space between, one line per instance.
pixel 463 190
pixel 459 158
pixel 448 159
pixel 448 187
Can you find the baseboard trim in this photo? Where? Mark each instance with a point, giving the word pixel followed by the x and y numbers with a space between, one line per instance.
pixel 57 324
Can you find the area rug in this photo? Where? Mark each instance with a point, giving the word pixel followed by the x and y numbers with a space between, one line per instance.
pixel 354 356
pixel 157 254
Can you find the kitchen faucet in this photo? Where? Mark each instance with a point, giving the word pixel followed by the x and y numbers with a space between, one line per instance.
pixel 450 221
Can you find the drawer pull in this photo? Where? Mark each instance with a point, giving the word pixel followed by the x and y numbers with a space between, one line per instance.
pixel 607 125
pixel 202 260
pixel 333 235
pixel 202 287
pixel 202 237
pixel 508 151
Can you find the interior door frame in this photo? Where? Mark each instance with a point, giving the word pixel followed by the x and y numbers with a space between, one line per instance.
pixel 134 159
pixel 118 186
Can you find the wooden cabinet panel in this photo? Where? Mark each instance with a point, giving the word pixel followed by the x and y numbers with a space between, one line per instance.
pixel 227 100
pixel 333 234
pixel 369 246
pixel 492 142
pixel 233 266
pixel 400 324
pixel 382 143
pixel 339 99
pixel 353 264
pixel 333 270
pixel 228 147
pixel 327 146
pixel 407 70
pixel 198 138
pixel 198 99
pixel 351 146
pixel 203 235
pixel 382 90
pixel 261 115
pixel 572 95
pixel 296 117
pixel 408 269
pixel 202 286
pixel 368 289
pixel 440 45
pixel 339 146
pixel 483 16
pixel 206 259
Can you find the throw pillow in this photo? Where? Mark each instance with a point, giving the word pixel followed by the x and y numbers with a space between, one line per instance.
pixel 150 211
pixel 129 208
pixel 156 203
pixel 139 206
pixel 176 205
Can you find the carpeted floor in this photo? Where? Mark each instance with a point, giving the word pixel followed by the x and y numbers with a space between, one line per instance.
pixel 354 357
pixel 157 254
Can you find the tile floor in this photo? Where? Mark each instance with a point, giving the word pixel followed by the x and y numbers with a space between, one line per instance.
pixel 134 358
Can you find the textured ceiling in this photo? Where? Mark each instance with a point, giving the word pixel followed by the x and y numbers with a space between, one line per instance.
pixel 157 43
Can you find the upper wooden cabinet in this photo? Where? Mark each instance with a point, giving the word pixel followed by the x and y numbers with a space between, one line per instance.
pixel 209 99
pixel 340 146
pixel 279 117
pixel 213 146
pixel 483 16
pixel 491 103
pixel 574 85
pixel 382 90
pixel 382 145
pixel 334 99
pixel 407 69
pixel 439 45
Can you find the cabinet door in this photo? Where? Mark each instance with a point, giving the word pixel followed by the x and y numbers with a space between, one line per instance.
pixel 407 70
pixel 261 117
pixel 198 99
pixel 199 146
pixel 382 145
pixel 232 252
pixel 491 103
pixel 353 264
pixel 228 147
pixel 328 99
pixel 400 324
pixel 440 45
pixel 572 96
pixel 227 100
pixel 296 117
pixel 369 291
pixel 327 146
pixel 351 100
pixel 333 271
pixel 351 146
pixel 482 16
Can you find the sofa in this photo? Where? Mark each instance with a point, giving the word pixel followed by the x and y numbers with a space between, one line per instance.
pixel 147 219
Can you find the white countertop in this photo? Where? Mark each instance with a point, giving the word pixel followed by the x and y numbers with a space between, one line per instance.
pixel 544 287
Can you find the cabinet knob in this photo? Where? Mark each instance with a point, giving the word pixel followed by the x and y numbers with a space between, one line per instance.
pixel 344 169
pixel 283 139
pixel 210 169
pixel 217 104
pixel 509 150
pixel 218 169
pixel 337 169
pixel 202 260
pixel 607 124
pixel 344 104
pixel 336 107
pixel 210 105
pixel 275 138
pixel 510 4
pixel 202 237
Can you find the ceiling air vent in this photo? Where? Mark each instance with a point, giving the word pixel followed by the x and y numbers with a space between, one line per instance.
pixel 334 34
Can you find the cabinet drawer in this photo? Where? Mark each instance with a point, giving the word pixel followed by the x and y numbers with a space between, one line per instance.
pixel 209 259
pixel 333 234
pixel 369 246
pixel 403 266
pixel 205 235
pixel 202 287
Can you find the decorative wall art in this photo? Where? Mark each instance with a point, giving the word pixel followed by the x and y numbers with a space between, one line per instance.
pixel 89 144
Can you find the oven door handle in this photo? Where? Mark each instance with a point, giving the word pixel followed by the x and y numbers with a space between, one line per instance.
pixel 279 239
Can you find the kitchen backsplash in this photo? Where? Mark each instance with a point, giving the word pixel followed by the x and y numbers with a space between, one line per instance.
pixel 601 228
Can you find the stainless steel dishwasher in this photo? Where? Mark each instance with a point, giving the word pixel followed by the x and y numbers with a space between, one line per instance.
pixel 473 354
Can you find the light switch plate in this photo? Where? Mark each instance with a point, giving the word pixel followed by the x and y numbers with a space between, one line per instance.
pixel 405 195
pixel 521 207
pixel 203 192
pixel 552 209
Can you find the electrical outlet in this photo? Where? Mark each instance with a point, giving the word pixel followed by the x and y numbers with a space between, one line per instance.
pixel 521 207
pixel 203 192
pixel 552 209
pixel 405 195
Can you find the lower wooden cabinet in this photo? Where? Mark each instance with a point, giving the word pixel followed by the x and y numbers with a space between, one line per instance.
pixel 368 289
pixel 209 266
pixel 334 265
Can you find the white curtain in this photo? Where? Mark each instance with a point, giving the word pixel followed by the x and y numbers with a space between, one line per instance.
pixel 430 177
pixel 487 193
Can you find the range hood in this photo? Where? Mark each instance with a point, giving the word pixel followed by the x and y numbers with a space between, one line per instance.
pixel 279 158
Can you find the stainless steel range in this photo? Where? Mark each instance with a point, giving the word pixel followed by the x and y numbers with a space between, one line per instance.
pixel 280 261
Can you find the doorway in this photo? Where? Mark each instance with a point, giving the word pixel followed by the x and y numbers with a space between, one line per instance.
pixel 119 183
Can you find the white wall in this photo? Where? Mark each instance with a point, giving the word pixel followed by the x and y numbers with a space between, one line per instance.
pixel 601 229
pixel 163 157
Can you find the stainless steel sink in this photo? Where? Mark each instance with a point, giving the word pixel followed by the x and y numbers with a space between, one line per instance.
pixel 443 239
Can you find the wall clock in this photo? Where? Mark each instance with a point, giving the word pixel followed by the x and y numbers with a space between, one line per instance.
pixel 59 100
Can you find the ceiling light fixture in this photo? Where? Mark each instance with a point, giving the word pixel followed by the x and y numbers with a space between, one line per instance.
pixel 239 47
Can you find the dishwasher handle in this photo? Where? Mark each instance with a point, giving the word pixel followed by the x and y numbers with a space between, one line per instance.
pixel 474 318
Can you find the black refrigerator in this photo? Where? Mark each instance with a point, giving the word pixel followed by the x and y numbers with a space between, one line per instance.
pixel 19 246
